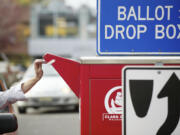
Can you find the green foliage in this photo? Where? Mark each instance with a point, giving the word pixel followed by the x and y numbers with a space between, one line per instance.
pixel 27 2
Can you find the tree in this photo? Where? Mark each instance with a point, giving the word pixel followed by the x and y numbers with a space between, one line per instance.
pixel 11 15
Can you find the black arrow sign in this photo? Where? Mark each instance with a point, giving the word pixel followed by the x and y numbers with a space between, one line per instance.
pixel 172 91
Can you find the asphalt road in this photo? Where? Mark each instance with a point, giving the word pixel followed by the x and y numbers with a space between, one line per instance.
pixel 51 122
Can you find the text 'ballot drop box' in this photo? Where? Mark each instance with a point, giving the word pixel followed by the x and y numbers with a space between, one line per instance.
pixel 124 95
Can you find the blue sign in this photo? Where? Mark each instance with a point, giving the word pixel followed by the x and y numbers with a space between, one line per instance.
pixel 138 27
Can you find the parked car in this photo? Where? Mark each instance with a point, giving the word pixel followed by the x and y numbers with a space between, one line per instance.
pixel 50 91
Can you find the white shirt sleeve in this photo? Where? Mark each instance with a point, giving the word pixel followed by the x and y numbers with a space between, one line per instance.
pixel 11 96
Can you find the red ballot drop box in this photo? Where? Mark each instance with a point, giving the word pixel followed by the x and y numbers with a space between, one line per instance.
pixel 106 86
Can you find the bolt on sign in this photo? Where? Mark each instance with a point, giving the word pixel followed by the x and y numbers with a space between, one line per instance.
pixel 129 27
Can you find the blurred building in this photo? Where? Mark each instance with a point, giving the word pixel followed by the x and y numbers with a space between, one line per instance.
pixel 62 30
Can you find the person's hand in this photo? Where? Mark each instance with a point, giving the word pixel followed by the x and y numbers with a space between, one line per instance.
pixel 26 86
pixel 38 68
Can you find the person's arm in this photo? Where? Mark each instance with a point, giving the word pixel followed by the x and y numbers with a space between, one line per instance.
pixel 26 86
pixel 16 93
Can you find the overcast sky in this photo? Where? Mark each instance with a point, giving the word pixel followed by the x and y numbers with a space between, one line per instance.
pixel 77 3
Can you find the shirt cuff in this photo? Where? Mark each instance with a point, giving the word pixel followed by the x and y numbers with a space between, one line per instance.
pixel 16 93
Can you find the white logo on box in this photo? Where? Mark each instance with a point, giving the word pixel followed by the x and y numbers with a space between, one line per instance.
pixel 114 104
